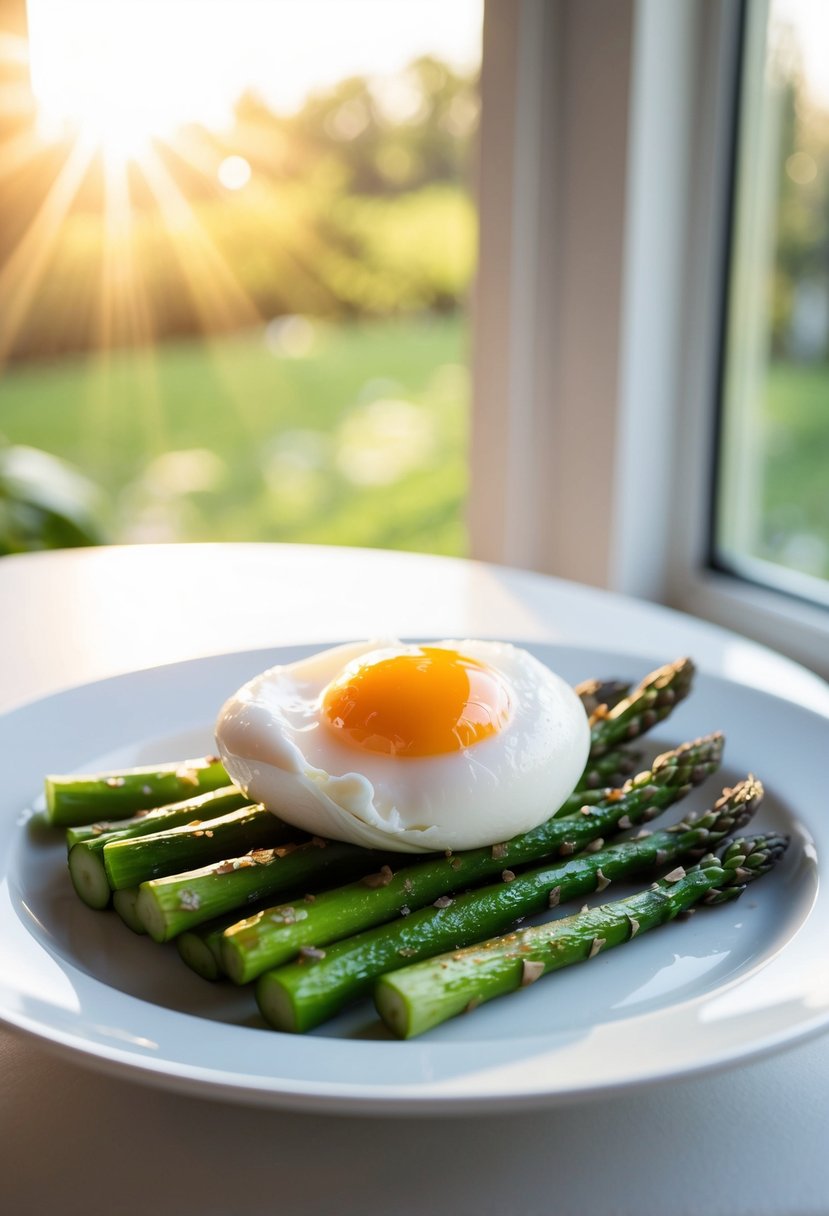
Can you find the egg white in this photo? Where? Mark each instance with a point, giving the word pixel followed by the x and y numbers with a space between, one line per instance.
pixel 276 746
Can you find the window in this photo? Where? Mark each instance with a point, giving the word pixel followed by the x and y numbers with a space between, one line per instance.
pixel 608 142
pixel 750 515
pixel 772 517
pixel 237 243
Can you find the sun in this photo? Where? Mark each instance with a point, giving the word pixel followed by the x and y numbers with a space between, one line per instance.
pixel 116 75
pixel 119 73
pixel 119 133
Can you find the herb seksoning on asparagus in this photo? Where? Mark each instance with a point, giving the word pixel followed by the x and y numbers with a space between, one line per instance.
pixel 617 716
pixel 80 799
pixel 168 906
pixel 366 902
pixel 420 997
pixel 258 873
pixel 305 993
pixel 277 934
pixel 86 845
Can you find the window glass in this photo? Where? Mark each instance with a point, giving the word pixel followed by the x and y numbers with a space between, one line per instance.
pixel 772 522
pixel 237 240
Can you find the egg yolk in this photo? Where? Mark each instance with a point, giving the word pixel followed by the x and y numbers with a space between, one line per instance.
pixel 425 702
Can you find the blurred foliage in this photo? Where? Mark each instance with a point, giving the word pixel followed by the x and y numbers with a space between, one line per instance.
pixel 801 233
pixel 794 509
pixel 348 433
pixel 358 205
pixel 45 503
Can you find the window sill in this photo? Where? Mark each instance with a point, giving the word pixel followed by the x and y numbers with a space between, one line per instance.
pixel 792 626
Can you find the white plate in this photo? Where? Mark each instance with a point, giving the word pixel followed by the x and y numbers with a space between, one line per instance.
pixel 731 983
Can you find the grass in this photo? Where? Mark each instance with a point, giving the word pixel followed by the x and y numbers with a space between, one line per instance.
pixel 300 432
pixel 343 435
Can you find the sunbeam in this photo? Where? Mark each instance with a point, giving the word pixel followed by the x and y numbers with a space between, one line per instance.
pixel 217 294
pixel 25 268
pixel 17 152
pixel 125 314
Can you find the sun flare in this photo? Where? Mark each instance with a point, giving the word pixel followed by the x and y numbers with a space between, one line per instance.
pixel 113 82
pixel 130 134
pixel 120 72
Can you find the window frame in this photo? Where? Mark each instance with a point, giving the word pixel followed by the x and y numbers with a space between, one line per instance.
pixel 596 380
pixel 752 597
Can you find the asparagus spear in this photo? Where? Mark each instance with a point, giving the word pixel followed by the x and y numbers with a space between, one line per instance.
pixel 275 935
pixel 123 902
pixel 75 799
pixel 199 947
pixel 593 693
pixel 313 989
pixel 611 770
pixel 170 815
pixel 86 856
pixel 130 862
pixel 422 996
pixel 169 906
pixel 648 704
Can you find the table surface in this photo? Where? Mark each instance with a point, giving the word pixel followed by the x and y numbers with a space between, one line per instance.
pixel 751 1140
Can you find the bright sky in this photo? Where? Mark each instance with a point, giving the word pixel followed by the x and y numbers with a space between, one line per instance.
pixel 150 65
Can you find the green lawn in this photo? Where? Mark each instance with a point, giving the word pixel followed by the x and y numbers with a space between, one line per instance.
pixel 346 435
